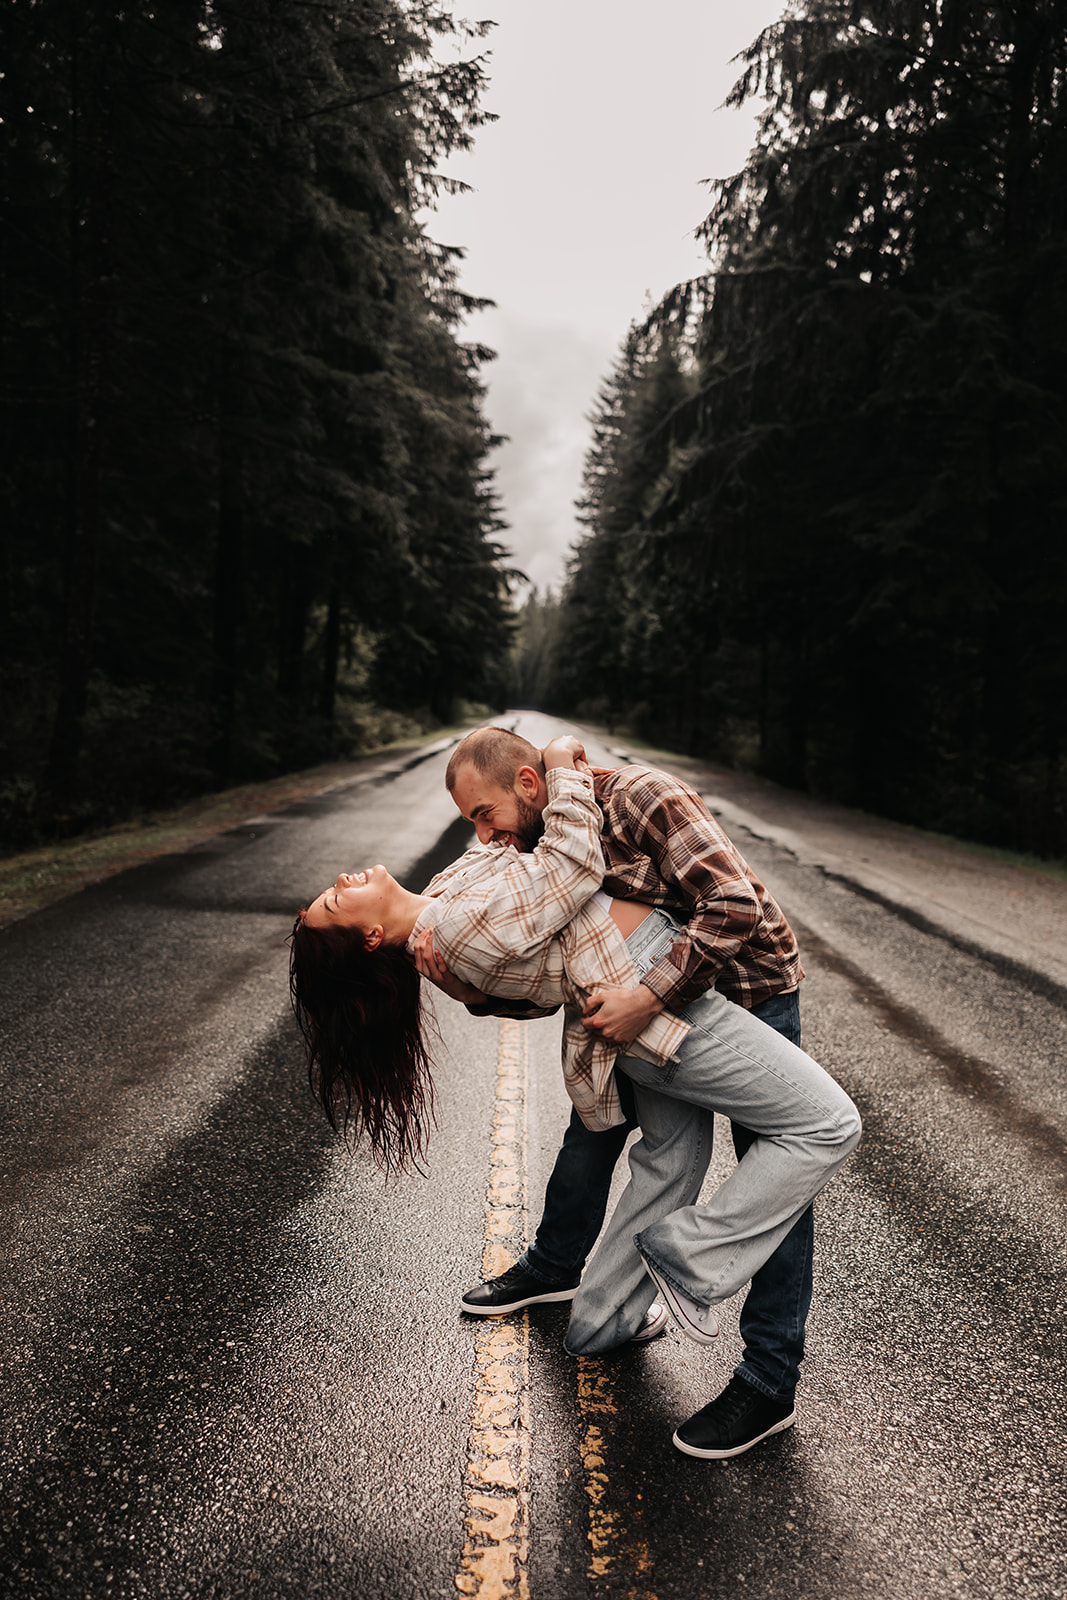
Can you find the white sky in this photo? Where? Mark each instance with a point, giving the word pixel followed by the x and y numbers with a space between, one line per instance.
pixel 587 191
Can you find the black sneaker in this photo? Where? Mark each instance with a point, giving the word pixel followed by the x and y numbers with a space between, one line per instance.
pixel 733 1423
pixel 513 1290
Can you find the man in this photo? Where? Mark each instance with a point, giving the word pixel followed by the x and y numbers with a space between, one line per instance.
pixel 662 847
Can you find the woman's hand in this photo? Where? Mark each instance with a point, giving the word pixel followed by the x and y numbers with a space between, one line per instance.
pixel 563 752
pixel 429 965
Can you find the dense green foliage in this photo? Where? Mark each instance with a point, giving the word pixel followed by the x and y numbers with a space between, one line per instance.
pixel 245 503
pixel 824 506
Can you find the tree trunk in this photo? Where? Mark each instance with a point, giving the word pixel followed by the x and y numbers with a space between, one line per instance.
pixel 294 599
pixel 228 584
pixel 331 653
pixel 90 194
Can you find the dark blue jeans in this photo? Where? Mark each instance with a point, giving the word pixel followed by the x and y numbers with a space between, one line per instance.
pixel 776 1307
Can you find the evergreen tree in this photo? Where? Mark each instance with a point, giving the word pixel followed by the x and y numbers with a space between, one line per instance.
pixel 244 458
pixel 861 523
pixel 539 642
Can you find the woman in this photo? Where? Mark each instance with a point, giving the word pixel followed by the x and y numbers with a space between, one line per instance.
pixel 533 927
pixel 529 927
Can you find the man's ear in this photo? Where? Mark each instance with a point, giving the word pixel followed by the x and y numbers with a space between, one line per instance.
pixel 528 782
pixel 373 937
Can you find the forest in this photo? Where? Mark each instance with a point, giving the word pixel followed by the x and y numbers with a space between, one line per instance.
pixel 823 509
pixel 247 518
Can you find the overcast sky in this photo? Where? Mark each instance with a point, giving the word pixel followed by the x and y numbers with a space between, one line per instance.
pixel 586 195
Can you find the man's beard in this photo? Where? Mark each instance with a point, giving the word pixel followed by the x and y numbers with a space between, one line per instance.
pixel 531 824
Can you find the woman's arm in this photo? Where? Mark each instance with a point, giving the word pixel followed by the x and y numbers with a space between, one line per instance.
pixel 515 902
pixel 545 888
pixel 479 1004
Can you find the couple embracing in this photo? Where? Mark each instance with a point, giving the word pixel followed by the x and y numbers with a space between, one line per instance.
pixel 615 894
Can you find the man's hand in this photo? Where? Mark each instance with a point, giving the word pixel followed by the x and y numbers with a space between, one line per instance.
pixel 430 965
pixel 619 1015
pixel 563 752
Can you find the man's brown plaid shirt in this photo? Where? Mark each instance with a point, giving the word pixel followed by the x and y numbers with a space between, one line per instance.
pixel 529 927
pixel 662 846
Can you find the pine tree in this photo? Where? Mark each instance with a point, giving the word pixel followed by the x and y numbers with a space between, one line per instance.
pixel 863 493
pixel 245 448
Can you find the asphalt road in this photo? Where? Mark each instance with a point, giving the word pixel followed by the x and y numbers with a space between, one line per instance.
pixel 232 1362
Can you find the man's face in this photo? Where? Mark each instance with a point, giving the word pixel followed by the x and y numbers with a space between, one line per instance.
pixel 501 816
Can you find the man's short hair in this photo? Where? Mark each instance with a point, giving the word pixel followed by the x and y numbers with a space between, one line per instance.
pixel 496 754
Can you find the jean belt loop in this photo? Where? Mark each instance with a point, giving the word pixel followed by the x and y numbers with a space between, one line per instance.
pixel 651 938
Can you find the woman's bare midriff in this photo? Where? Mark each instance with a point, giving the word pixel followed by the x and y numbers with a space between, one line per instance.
pixel 628 915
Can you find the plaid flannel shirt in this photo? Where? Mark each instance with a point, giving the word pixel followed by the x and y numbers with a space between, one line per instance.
pixel 525 927
pixel 662 846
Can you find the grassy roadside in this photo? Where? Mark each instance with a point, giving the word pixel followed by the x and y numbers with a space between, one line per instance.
pixel 38 878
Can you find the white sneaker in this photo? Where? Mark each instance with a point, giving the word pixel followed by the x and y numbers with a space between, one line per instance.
pixel 655 1322
pixel 697 1322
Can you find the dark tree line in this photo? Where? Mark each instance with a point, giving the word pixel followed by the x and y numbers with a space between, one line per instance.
pixel 244 493
pixel 824 507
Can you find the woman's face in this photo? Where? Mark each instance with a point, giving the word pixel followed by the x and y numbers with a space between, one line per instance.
pixel 363 900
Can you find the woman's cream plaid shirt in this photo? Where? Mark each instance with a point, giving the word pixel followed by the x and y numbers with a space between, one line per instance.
pixel 526 927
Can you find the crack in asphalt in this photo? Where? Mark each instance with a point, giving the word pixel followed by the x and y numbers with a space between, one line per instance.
pixel 1018 971
pixel 965 1070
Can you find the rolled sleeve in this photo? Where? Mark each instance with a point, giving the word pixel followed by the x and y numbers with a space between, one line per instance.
pixel 691 853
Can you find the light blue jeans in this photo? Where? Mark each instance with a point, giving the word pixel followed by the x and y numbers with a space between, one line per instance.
pixel 805 1125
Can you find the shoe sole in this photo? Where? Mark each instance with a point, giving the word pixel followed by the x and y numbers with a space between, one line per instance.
pixel 698 1335
pixel 553 1297
pixel 737 1449
pixel 646 1335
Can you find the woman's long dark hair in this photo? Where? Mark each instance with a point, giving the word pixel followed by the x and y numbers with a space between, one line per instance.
pixel 360 1012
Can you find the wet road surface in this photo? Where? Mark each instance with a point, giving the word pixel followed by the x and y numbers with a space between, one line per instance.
pixel 232 1362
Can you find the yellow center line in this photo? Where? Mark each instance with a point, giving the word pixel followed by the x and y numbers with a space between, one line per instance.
pixel 617 1543
pixel 494 1562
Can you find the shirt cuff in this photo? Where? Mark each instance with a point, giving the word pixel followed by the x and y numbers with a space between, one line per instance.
pixel 428 917
pixel 561 781
pixel 670 985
